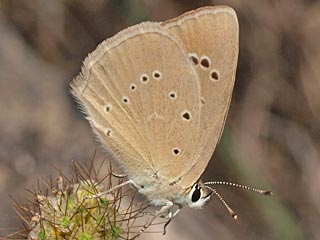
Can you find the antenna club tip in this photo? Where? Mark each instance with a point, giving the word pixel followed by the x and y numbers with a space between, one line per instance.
pixel 268 193
pixel 235 216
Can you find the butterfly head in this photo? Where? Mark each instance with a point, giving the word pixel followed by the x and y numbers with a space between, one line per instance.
pixel 198 196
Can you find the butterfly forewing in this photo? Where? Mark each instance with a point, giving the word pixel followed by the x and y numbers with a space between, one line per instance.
pixel 141 96
pixel 210 36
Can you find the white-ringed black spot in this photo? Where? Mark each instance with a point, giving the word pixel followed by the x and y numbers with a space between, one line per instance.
pixel 144 78
pixel 108 132
pixel 125 100
pixel 186 115
pixel 157 75
pixel 107 108
pixel 194 58
pixel 133 87
pixel 205 62
pixel 172 95
pixel 214 75
pixel 176 151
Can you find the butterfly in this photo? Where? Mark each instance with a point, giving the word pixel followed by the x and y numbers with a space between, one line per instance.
pixel 157 96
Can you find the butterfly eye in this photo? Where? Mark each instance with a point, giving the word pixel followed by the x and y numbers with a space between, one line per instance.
pixel 196 195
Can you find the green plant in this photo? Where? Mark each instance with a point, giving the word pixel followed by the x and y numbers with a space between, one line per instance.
pixel 65 209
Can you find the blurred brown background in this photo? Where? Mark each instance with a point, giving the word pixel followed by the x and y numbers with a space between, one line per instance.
pixel 272 133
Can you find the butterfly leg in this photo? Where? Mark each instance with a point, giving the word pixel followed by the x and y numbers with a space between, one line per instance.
pixel 173 214
pixel 170 216
pixel 119 175
pixel 164 209
pixel 112 189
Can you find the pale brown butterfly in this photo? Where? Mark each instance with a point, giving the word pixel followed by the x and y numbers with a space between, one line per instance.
pixel 157 96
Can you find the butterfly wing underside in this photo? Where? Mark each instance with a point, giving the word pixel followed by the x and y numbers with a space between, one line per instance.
pixel 210 35
pixel 141 96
